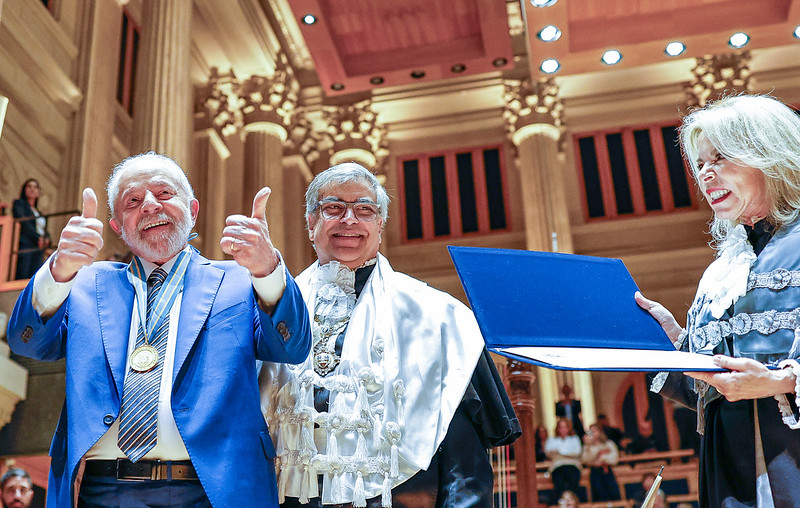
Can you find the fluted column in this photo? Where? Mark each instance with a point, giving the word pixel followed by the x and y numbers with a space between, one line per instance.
pixel 533 119
pixel 163 100
pixel 521 378
pixel 263 166
pixel 207 175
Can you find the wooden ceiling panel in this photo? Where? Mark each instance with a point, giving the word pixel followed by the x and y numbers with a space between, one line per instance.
pixel 358 45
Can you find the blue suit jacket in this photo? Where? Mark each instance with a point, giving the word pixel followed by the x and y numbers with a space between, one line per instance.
pixel 215 396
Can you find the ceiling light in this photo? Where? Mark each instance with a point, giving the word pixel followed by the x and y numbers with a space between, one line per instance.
pixel 499 61
pixel 456 68
pixel 376 80
pixel 418 74
pixel 543 3
pixel 309 19
pixel 675 48
pixel 549 33
pixel 550 66
pixel 738 39
pixel 612 57
pixel 797 31
pixel 337 87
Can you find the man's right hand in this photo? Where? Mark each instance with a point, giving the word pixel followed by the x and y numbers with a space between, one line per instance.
pixel 80 242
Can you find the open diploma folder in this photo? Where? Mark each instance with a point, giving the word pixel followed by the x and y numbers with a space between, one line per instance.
pixel 566 312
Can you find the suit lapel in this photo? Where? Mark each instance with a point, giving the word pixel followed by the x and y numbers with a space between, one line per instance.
pixel 201 283
pixel 114 306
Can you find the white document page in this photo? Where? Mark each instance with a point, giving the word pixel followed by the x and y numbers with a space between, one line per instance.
pixel 614 359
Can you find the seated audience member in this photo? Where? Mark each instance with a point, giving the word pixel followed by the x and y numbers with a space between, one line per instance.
pixel 644 441
pixel 640 493
pixel 16 488
pixel 564 451
pixel 540 438
pixel 600 454
pixel 568 500
pixel 613 433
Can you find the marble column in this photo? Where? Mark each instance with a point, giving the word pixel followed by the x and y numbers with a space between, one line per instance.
pixel 163 99
pixel 521 379
pixel 263 166
pixel 207 175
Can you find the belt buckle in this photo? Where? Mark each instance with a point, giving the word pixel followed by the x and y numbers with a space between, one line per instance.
pixel 154 474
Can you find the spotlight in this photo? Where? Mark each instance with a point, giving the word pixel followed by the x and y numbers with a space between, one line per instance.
pixel 500 61
pixel 797 31
pixel 675 48
pixel 543 3
pixel 612 57
pixel 376 80
pixel 337 87
pixel 738 40
pixel 550 66
pixel 549 33
pixel 309 19
pixel 418 74
pixel 457 68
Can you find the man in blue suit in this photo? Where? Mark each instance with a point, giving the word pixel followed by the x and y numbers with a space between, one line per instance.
pixel 162 404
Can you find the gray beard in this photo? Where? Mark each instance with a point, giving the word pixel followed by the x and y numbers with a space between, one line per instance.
pixel 160 248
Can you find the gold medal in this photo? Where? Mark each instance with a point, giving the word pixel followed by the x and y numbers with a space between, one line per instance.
pixel 144 358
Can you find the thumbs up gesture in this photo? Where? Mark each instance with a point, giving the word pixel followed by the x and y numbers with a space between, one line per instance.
pixel 80 242
pixel 247 238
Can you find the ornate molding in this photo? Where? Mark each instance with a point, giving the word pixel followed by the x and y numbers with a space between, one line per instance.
pixel 528 103
pixel 356 127
pixel 717 75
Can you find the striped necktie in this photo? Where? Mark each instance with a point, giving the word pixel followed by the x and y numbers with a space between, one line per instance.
pixel 139 412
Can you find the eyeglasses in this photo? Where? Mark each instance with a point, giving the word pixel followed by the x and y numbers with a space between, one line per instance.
pixel 336 209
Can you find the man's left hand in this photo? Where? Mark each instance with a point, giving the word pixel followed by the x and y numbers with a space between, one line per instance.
pixel 247 238
pixel 747 379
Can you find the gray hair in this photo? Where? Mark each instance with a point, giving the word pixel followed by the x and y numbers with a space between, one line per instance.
pixel 145 162
pixel 760 132
pixel 14 472
pixel 342 174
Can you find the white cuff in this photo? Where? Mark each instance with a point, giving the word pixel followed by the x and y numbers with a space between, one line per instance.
pixel 270 288
pixel 789 418
pixel 48 295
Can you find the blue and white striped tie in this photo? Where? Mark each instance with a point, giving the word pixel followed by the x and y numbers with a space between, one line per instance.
pixel 139 412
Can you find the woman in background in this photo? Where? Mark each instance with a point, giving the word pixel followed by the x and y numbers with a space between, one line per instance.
pixel 564 451
pixel 600 454
pixel 33 237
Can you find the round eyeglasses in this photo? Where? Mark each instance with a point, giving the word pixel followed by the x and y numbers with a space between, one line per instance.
pixel 362 211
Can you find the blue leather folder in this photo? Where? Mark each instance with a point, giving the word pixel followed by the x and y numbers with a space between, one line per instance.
pixel 565 311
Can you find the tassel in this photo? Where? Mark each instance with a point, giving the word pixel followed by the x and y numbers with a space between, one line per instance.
pixel 308 444
pixel 304 486
pixel 386 495
pixel 333 447
pixel 336 488
pixel 361 448
pixel 362 405
pixel 280 448
pixel 283 474
pixel 300 399
pixel 359 498
pixel 394 470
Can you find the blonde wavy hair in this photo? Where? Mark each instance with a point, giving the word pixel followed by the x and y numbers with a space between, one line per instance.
pixel 757 131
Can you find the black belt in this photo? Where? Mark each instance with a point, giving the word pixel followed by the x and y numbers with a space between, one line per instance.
pixel 124 469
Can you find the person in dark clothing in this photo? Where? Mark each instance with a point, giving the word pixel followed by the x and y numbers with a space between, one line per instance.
pixel 570 409
pixel 33 237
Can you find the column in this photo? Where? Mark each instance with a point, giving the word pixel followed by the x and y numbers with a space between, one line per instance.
pixel 163 99
pixel 207 175
pixel 263 166
pixel 521 378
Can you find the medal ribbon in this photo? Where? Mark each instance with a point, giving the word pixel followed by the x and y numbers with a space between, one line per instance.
pixel 166 297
